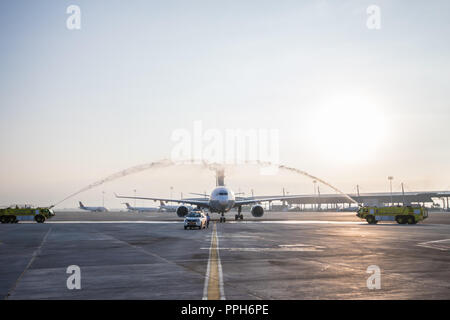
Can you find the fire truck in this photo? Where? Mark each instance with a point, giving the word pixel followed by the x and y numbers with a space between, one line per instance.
pixel 16 213
pixel 400 214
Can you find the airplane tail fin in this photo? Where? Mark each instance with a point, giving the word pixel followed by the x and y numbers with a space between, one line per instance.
pixel 163 204
pixel 128 205
pixel 81 205
pixel 220 177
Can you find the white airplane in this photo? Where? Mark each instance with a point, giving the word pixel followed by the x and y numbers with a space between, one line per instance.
pixel 169 208
pixel 221 200
pixel 93 209
pixel 162 208
pixel 141 209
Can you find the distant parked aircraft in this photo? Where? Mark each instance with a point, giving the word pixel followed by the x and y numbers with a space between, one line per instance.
pixel 93 209
pixel 141 209
pixel 170 208
pixel 162 208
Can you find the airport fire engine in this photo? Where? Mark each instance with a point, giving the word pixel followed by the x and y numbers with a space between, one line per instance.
pixel 16 213
pixel 400 214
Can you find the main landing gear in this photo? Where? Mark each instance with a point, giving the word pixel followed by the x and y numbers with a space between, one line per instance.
pixel 222 218
pixel 239 215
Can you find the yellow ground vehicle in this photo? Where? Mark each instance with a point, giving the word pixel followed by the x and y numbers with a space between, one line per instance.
pixel 16 213
pixel 401 214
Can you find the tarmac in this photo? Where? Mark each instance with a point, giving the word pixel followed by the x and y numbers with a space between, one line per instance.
pixel 301 255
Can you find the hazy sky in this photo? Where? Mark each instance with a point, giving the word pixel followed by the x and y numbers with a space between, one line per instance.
pixel 352 105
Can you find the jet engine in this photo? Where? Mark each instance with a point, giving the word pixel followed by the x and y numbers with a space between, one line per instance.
pixel 257 211
pixel 182 211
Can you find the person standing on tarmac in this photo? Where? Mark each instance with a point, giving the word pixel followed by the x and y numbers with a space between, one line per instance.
pixel 207 219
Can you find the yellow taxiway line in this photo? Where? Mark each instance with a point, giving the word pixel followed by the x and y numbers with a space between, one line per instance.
pixel 213 289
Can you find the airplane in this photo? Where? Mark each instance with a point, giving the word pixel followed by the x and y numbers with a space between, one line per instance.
pixel 221 200
pixel 162 208
pixel 92 209
pixel 169 208
pixel 141 209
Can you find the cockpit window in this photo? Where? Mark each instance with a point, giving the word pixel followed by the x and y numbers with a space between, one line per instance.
pixel 223 193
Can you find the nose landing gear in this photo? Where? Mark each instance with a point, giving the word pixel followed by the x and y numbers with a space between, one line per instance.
pixel 239 215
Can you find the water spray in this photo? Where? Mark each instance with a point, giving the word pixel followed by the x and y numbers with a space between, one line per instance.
pixel 306 174
pixel 208 165
pixel 120 174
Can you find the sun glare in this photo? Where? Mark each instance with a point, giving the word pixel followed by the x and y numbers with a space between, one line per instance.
pixel 348 129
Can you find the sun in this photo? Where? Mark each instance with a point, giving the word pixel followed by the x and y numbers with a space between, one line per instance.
pixel 348 128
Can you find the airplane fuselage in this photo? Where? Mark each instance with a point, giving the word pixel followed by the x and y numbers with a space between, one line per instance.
pixel 94 209
pixel 144 209
pixel 221 200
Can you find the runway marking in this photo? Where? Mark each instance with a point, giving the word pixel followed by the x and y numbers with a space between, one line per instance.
pixel 213 289
pixel 232 236
pixel 112 222
pixel 302 222
pixel 279 249
pixel 179 222
pixel 232 222
pixel 33 257
pixel 443 245
pixel 298 245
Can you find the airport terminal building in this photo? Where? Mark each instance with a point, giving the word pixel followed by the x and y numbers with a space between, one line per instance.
pixel 432 199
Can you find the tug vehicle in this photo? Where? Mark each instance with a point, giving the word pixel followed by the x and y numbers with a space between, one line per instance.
pixel 400 214
pixel 16 213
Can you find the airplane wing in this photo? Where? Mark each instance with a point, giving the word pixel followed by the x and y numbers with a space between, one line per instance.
pixel 200 194
pixel 203 204
pixel 252 201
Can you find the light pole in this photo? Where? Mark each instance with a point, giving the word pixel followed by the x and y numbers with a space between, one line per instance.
pixel 314 183
pixel 390 178
pixel 403 195
pixel 319 207
pixel 357 192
